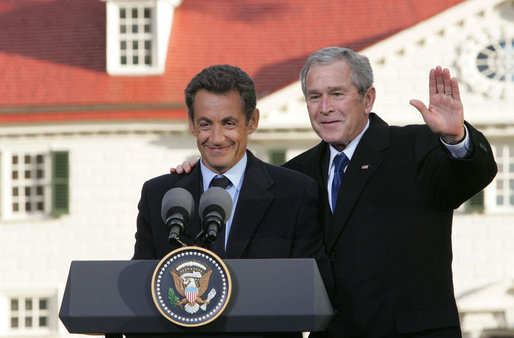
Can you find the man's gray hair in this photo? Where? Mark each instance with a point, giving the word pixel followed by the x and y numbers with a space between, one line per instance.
pixel 362 74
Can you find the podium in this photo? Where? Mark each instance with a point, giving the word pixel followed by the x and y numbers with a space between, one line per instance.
pixel 268 295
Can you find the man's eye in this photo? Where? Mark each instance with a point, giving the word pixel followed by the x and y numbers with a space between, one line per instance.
pixel 313 98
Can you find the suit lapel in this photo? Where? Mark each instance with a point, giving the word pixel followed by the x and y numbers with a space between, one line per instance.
pixel 253 202
pixel 193 183
pixel 365 161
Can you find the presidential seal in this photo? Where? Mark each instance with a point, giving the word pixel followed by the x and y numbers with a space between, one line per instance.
pixel 191 286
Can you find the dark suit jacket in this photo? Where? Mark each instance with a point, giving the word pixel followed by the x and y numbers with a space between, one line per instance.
pixel 275 217
pixel 389 239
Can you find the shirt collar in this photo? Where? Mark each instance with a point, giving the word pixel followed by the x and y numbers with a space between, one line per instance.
pixel 350 148
pixel 234 174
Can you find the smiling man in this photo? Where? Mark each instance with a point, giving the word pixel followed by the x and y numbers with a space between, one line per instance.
pixel 275 209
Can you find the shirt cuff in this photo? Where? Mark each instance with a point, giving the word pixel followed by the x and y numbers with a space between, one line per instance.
pixel 461 149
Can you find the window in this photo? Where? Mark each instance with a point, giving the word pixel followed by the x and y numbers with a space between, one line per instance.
pixel 34 184
pixel 476 203
pixel 277 156
pixel 135 32
pixel 31 313
pixel 504 181
pixel 496 61
pixel 29 177
pixel 138 35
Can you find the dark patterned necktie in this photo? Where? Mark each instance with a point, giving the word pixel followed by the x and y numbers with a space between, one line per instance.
pixel 220 181
pixel 340 162
pixel 218 246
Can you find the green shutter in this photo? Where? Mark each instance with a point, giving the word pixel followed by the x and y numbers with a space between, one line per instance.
pixel 277 156
pixel 60 183
pixel 476 203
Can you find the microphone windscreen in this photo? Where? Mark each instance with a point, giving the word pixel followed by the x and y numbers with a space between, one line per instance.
pixel 216 196
pixel 177 199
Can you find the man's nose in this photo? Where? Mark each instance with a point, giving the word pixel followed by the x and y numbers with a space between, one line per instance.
pixel 217 134
pixel 326 104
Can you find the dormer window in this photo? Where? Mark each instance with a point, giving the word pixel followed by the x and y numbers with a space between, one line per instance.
pixel 138 33
pixel 135 31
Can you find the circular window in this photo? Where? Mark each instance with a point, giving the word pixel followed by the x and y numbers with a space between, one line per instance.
pixel 496 61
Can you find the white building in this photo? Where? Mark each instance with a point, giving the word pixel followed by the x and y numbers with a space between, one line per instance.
pixel 78 137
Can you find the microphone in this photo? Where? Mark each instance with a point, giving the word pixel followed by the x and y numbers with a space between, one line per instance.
pixel 214 209
pixel 176 209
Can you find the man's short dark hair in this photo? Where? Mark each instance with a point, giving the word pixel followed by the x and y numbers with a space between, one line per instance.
pixel 222 79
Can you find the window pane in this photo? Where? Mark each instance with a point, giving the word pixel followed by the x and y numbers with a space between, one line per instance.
pixel 15 175
pixel 40 174
pixel 134 29
pixel 43 322
pixel 135 60
pixel 135 45
pixel 28 304
pixel 27 191
pixel 15 207
pixel 40 206
pixel 134 13
pixel 28 321
pixel 14 305
pixel 39 159
pixel 147 28
pixel 123 60
pixel 43 304
pixel 15 159
pixel 147 13
pixel 148 44
pixel 39 190
pixel 28 206
pixel 27 159
pixel 123 45
pixel 123 13
pixel 499 200
pixel 123 29
pixel 15 191
pixel 148 60
pixel 14 322
pixel 27 173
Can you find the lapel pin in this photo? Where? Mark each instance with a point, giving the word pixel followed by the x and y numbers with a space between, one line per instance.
pixel 365 166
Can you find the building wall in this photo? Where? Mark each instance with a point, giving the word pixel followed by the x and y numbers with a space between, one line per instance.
pixel 106 175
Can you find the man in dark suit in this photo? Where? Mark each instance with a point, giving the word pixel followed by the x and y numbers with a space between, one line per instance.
pixel 387 206
pixel 275 209
pixel 387 196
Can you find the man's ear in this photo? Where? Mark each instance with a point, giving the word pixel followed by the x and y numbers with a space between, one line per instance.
pixel 369 99
pixel 253 123
pixel 191 127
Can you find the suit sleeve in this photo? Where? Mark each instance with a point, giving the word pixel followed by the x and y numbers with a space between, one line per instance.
pixel 144 248
pixel 447 182
pixel 308 241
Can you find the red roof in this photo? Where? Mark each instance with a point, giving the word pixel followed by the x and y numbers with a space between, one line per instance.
pixel 52 52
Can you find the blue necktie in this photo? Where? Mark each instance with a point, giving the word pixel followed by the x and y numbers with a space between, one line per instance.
pixel 340 162
pixel 218 246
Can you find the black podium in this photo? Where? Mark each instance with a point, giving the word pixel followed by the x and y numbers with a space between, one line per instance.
pixel 270 295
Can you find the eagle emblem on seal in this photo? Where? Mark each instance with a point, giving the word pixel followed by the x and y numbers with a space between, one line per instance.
pixel 191 281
